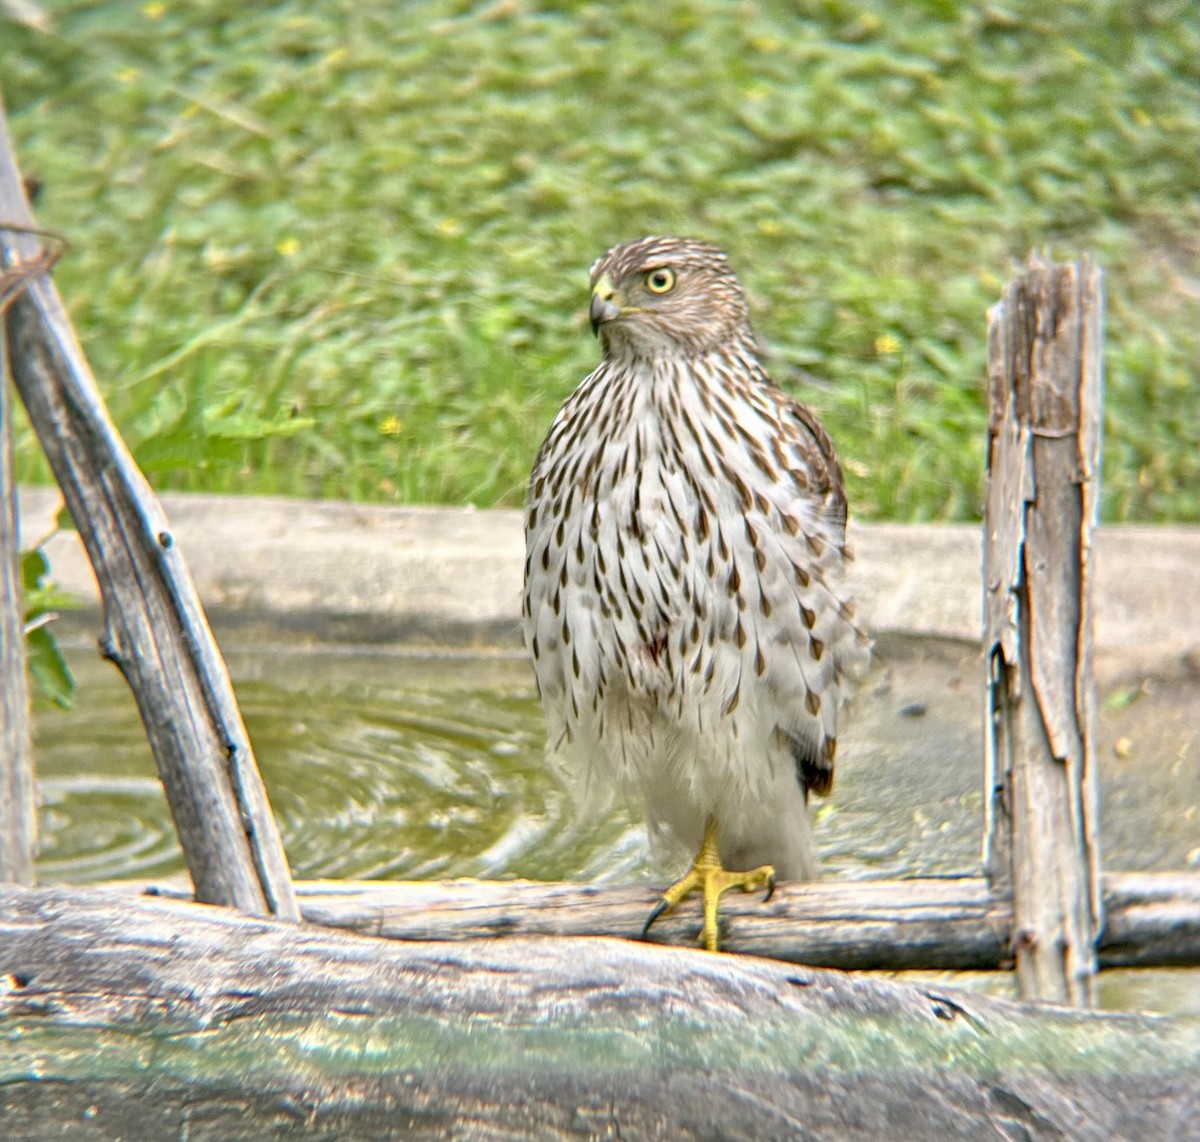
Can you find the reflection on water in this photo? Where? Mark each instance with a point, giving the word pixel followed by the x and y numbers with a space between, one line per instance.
pixel 382 766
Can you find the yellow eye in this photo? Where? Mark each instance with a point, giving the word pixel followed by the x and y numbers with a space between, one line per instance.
pixel 661 280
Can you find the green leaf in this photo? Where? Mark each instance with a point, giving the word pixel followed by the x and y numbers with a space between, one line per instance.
pixel 1122 698
pixel 48 668
pixel 34 568
pixel 41 598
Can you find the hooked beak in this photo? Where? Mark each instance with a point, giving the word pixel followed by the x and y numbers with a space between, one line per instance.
pixel 603 307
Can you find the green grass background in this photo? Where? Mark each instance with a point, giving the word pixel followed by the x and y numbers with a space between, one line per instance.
pixel 340 249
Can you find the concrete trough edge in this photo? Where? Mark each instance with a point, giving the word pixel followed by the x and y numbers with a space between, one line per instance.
pixel 330 572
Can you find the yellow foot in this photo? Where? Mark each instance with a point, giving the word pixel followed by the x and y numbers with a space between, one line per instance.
pixel 709 877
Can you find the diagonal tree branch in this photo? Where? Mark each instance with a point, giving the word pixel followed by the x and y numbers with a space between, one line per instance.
pixel 155 629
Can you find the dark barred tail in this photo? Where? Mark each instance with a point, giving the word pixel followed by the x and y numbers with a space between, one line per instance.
pixel 814 763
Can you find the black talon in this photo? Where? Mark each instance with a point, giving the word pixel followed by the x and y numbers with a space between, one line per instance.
pixel 658 910
pixel 770 888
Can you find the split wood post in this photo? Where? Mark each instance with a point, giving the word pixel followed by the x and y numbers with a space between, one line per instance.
pixel 1045 341
pixel 155 629
pixel 17 813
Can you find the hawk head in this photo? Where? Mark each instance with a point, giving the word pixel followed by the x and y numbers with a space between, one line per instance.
pixel 659 296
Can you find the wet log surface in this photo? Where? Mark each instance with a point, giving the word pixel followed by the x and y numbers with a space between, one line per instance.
pixel 123 1017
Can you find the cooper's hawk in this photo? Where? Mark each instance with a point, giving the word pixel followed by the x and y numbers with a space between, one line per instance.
pixel 684 539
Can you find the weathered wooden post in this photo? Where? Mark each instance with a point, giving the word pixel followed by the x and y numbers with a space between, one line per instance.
pixel 17 813
pixel 155 629
pixel 1044 379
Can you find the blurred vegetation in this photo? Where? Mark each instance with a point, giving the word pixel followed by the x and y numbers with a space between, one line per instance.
pixel 340 249
pixel 41 602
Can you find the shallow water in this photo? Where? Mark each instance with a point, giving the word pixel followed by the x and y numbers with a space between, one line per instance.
pixel 388 766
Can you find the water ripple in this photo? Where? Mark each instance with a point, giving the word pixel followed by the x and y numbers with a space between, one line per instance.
pixel 397 767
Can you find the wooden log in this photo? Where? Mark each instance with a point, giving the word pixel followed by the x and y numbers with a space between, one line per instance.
pixel 1044 367
pixel 897 924
pixel 155 629
pixel 952 924
pixel 1151 919
pixel 18 818
pixel 142 1019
